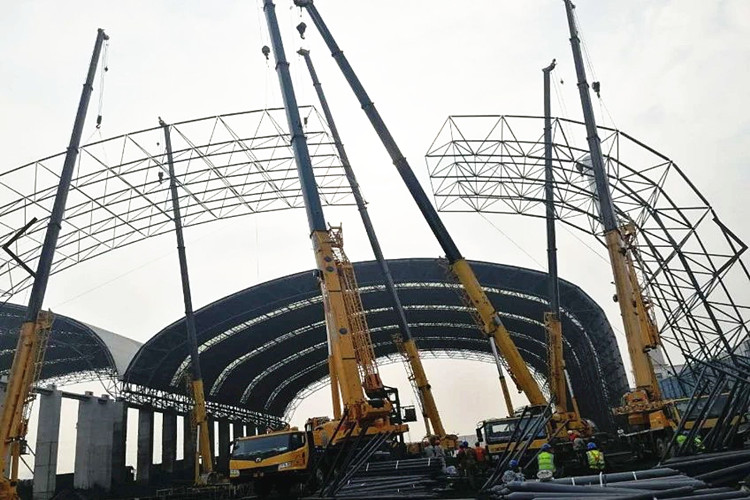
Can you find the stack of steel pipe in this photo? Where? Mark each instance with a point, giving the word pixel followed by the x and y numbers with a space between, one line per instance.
pixel 414 478
pixel 636 485
pixel 717 469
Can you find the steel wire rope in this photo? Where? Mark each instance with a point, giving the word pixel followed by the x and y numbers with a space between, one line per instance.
pixel 141 266
pixel 511 240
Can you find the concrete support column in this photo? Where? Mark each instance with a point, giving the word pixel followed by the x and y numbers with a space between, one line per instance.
pixel 145 445
pixel 94 442
pixel 119 439
pixel 169 441
pixel 223 461
pixel 212 437
pixel 47 438
pixel 238 429
pixel 189 445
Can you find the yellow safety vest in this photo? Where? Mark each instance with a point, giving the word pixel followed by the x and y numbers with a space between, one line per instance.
pixel 546 461
pixel 596 459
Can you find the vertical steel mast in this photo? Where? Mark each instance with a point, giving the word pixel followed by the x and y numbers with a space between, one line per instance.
pixel 201 419
pixel 30 351
pixel 409 345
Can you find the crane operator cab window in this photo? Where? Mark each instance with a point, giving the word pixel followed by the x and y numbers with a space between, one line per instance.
pixel 501 431
pixel 267 446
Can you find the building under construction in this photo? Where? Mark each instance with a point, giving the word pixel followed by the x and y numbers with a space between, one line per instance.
pixel 224 380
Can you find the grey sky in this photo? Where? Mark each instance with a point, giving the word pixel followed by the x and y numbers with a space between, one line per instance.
pixel 674 74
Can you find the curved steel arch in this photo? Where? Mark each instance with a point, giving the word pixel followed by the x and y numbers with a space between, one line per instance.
pixel 689 260
pixel 227 166
pixel 262 346
pixel 76 352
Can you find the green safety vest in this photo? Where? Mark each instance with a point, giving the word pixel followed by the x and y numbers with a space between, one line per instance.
pixel 545 461
pixel 681 439
pixel 596 459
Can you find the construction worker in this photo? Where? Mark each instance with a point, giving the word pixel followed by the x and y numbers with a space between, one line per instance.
pixel 467 461
pixel 513 473
pixel 595 458
pixel 481 455
pixel 697 442
pixel 546 461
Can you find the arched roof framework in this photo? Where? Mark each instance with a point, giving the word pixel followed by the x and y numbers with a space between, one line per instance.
pixel 690 263
pixel 226 166
pixel 264 345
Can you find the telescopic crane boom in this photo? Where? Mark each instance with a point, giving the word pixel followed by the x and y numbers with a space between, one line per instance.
pixel 557 375
pixel 493 326
pixel 202 473
pixel 644 405
pixel 362 391
pixel 28 358
pixel 409 345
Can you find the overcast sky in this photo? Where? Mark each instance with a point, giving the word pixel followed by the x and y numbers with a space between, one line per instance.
pixel 674 74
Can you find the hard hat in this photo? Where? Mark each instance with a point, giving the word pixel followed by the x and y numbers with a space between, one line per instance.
pixel 546 447
pixel 684 433
pixel 465 444
pixel 570 432
pixel 514 463
pixel 591 446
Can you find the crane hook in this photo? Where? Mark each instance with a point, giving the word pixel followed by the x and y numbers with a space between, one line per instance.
pixel 265 51
pixel 301 27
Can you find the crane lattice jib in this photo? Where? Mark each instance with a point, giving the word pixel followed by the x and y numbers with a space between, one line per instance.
pixel 364 352
pixel 690 264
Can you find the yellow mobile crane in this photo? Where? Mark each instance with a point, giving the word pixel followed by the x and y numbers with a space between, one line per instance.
pixel 648 414
pixel 204 471
pixel 492 325
pixel 497 433
pixel 278 458
pixel 29 356
pixel 407 346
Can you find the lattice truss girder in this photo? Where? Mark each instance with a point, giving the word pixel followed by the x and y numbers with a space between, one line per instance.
pixel 227 166
pixel 690 263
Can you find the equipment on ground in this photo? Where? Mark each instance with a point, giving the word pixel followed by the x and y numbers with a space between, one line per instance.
pixel 649 416
pixel 492 325
pixel 363 406
pixel 29 355
pixel 407 347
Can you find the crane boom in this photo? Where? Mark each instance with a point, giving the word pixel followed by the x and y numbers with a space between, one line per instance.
pixel 493 326
pixel 640 332
pixel 29 351
pixel 409 345
pixel 201 419
pixel 348 353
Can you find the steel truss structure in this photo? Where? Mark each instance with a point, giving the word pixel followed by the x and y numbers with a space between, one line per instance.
pixel 690 263
pixel 138 396
pixel 227 166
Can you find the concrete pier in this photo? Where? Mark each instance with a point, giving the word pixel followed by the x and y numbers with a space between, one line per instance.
pixel 145 445
pixel 94 442
pixel 212 437
pixel 47 439
pixel 238 430
pixel 189 446
pixel 223 458
pixel 169 441
pixel 119 439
